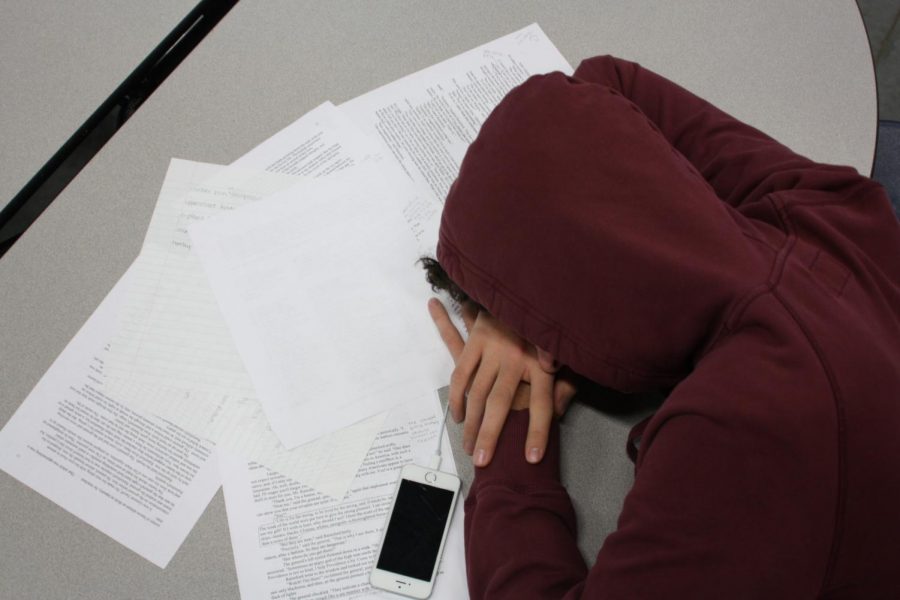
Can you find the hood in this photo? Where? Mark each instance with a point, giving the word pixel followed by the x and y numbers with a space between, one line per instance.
pixel 574 222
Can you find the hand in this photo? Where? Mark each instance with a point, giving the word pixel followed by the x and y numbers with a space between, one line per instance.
pixel 491 371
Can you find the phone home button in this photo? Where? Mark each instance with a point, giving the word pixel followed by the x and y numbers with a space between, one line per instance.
pixel 430 477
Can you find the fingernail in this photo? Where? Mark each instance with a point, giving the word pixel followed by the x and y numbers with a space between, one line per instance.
pixel 534 455
pixel 480 458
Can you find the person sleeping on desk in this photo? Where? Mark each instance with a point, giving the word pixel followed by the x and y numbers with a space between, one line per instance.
pixel 616 224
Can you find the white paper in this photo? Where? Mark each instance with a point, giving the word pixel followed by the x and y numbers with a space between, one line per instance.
pixel 326 142
pixel 428 119
pixel 172 333
pixel 290 542
pixel 173 355
pixel 321 143
pixel 321 291
pixel 142 481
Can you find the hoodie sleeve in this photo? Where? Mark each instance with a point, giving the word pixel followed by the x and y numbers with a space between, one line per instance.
pixel 741 163
pixel 613 222
pixel 723 506
pixel 520 524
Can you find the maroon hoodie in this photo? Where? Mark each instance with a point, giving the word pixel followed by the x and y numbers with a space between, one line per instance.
pixel 648 240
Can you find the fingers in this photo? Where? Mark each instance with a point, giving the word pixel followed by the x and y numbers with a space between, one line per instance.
pixel 485 383
pixel 545 359
pixel 446 328
pixel 466 364
pixel 540 416
pixel 495 411
pixel 466 359
pixel 475 403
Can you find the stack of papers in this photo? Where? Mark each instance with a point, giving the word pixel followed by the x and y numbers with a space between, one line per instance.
pixel 273 337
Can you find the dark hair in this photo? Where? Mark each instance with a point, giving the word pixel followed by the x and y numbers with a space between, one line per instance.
pixel 437 277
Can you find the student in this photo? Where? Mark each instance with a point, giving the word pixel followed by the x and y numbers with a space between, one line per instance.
pixel 616 224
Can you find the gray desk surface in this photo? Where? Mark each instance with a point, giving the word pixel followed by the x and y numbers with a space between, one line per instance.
pixel 800 71
pixel 61 60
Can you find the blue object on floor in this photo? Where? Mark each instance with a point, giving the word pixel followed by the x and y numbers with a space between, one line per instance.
pixel 887 161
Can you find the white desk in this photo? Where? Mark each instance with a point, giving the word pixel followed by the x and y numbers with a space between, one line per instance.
pixel 801 71
pixel 60 61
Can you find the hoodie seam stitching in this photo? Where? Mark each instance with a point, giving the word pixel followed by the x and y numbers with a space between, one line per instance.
pixel 840 504
pixel 770 287
pixel 776 270
pixel 856 196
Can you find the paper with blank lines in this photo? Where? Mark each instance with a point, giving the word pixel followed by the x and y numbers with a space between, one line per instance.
pixel 180 339
pixel 174 356
pixel 171 333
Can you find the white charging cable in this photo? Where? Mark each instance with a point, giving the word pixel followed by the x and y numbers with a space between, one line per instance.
pixel 436 459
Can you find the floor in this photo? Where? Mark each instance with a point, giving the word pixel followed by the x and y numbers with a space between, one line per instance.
pixel 882 19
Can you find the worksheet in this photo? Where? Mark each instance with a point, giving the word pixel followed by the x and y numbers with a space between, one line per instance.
pixel 141 480
pixel 427 120
pixel 321 290
pixel 322 142
pixel 290 542
pixel 173 355
pixel 177 335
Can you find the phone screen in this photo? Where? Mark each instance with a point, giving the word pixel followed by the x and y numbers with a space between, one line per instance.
pixel 414 533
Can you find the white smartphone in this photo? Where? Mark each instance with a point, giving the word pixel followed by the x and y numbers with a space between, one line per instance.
pixel 416 530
